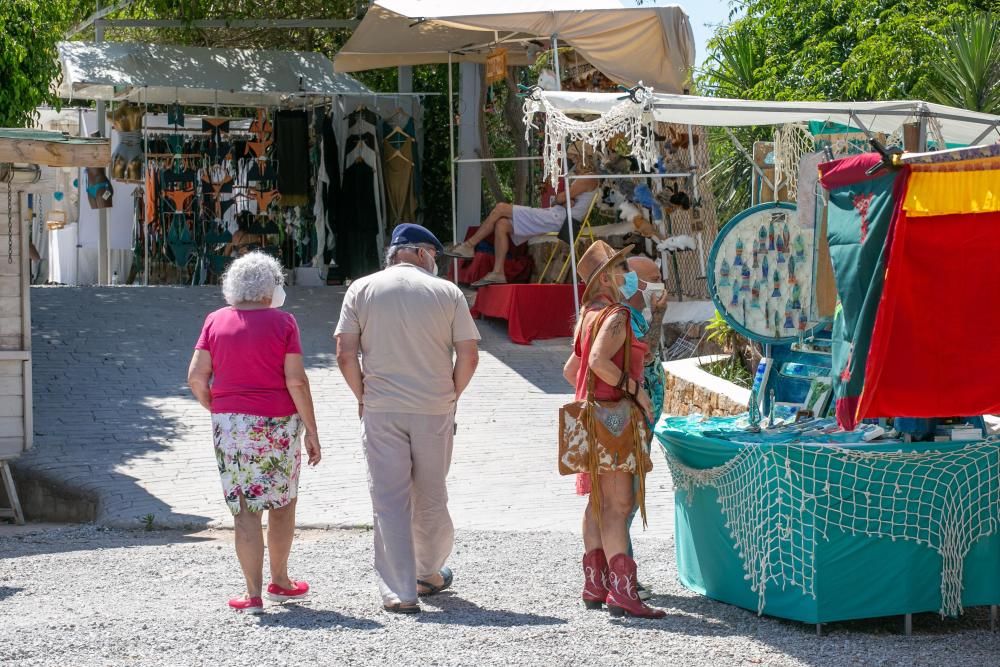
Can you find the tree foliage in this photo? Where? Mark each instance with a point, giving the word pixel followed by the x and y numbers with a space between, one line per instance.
pixel 968 73
pixel 845 50
pixel 29 30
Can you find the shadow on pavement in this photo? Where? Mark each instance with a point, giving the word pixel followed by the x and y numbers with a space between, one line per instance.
pixel 300 617
pixel 87 538
pixel 8 591
pixel 454 610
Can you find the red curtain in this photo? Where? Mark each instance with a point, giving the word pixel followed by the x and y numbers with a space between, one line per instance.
pixel 935 348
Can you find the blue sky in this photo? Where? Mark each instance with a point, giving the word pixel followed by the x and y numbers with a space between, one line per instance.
pixel 705 15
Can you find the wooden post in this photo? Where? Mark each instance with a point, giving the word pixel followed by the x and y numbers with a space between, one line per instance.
pixel 7 481
pixel 911 137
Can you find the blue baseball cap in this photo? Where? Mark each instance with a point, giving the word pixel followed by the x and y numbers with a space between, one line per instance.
pixel 409 233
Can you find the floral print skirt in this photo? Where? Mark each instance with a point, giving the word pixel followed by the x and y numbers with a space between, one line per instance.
pixel 259 457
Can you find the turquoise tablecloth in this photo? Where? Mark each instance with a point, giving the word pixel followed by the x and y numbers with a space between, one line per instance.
pixel 820 533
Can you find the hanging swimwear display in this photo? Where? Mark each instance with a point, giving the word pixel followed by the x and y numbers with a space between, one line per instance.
pixel 203 187
pixel 760 274
pixel 291 146
pixel 99 191
pixel 126 162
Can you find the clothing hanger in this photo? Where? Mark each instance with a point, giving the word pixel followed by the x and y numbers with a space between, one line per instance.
pixel 398 130
pixel 396 153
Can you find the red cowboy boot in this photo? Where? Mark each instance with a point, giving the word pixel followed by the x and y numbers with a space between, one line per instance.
pixel 623 598
pixel 595 579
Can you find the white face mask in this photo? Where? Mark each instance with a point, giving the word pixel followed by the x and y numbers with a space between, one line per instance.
pixel 431 266
pixel 652 291
pixel 278 297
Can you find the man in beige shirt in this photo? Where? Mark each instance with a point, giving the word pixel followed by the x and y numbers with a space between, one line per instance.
pixel 419 350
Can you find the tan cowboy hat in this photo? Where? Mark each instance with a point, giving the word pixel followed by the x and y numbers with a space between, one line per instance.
pixel 598 258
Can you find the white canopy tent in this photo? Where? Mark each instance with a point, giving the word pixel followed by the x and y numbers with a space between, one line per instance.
pixel 650 43
pixel 953 125
pixel 163 74
pixel 957 126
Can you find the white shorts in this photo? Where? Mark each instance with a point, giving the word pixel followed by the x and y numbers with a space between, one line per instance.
pixel 529 222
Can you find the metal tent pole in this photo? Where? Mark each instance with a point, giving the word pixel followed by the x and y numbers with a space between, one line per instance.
pixel 144 225
pixel 103 233
pixel 555 61
pixel 566 181
pixel 451 160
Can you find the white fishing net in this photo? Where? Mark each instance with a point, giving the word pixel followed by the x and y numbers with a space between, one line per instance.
pixel 631 120
pixel 791 142
pixel 780 500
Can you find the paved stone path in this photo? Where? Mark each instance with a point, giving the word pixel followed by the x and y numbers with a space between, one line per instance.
pixel 113 416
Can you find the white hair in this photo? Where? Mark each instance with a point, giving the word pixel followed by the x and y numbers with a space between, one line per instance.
pixel 253 277
pixel 392 251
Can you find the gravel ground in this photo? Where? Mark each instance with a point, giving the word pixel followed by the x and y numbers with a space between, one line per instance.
pixel 87 596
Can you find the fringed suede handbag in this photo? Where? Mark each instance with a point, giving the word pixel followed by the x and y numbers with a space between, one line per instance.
pixel 604 436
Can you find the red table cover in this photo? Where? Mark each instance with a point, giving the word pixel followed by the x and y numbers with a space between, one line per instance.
pixel 533 312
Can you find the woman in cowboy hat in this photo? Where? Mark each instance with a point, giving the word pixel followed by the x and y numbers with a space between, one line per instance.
pixel 609 572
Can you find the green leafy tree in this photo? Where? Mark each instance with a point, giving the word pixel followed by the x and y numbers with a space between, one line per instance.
pixel 29 30
pixel 734 69
pixel 845 49
pixel 967 74
pixel 840 51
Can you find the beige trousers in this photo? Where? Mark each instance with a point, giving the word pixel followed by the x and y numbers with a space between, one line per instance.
pixel 408 459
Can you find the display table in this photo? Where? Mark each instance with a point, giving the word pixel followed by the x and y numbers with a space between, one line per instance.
pixel 533 312
pixel 834 531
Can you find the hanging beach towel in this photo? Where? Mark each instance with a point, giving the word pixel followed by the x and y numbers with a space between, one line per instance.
pixel 859 220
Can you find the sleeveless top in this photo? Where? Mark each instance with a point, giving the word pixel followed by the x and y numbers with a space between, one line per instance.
pixel 602 390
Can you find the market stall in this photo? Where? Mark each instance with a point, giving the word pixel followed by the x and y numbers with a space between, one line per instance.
pixel 853 487
pixel 289 157
pixel 627 43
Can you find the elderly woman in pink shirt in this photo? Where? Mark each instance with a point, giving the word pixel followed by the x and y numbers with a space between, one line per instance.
pixel 247 371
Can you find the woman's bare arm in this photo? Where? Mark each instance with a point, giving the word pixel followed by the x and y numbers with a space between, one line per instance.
pixel 199 377
pixel 571 368
pixel 297 383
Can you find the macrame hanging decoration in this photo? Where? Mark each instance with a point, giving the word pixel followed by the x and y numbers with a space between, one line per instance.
pixel 631 120
pixel 791 142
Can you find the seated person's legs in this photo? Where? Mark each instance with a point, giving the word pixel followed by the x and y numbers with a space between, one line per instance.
pixel 501 244
pixel 466 250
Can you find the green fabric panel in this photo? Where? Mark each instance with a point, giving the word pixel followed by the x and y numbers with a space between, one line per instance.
pixel 858 222
pixel 820 127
